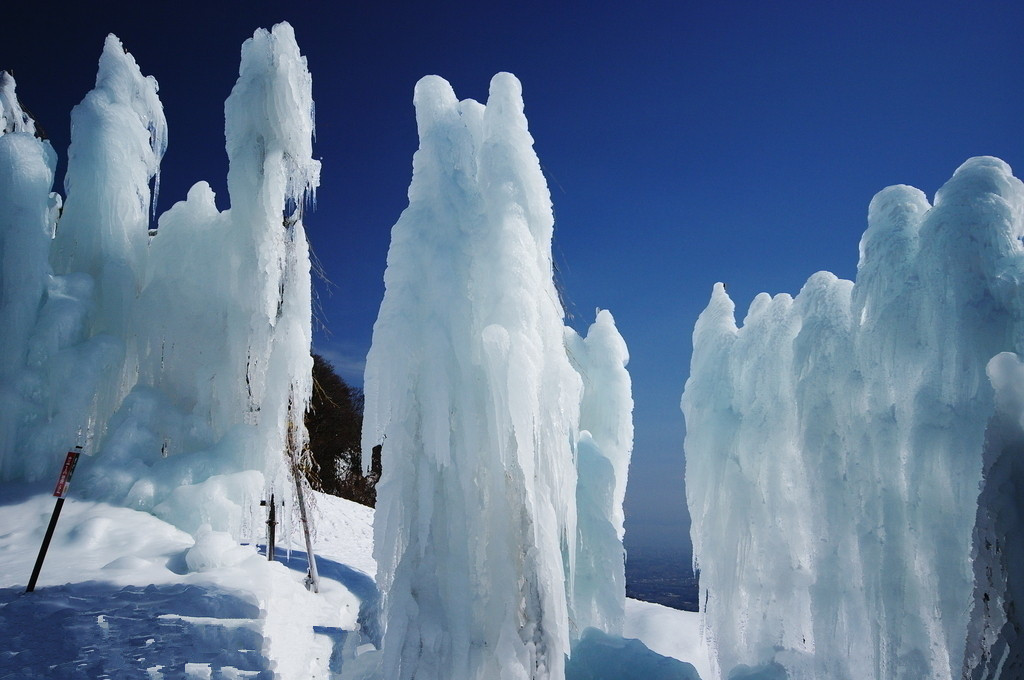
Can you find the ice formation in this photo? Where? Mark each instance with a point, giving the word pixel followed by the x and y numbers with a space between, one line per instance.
pixel 837 441
pixel 470 390
pixel 27 213
pixel 179 356
pixel 994 646
pixel 603 453
pixel 118 139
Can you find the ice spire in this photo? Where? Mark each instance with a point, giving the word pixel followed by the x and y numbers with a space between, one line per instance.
pixel 272 178
pixel 118 137
pixel 28 211
pixel 27 215
pixel 471 394
pixel 605 446
pixel 13 118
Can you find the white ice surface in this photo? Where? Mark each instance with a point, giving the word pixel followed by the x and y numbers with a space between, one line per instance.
pixel 12 117
pixel 669 632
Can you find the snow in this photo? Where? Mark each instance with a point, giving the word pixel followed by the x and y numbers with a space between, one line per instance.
pixel 669 632
pixel 122 592
pixel 836 445
pixel 117 594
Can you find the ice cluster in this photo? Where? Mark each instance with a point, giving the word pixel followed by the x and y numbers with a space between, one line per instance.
pixel 837 442
pixel 478 393
pixel 179 355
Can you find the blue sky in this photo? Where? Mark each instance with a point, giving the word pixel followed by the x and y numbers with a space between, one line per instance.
pixel 684 143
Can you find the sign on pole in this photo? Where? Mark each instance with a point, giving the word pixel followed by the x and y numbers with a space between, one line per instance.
pixel 65 474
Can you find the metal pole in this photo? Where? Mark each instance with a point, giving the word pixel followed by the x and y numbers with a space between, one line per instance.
pixel 46 544
pixel 63 482
pixel 271 527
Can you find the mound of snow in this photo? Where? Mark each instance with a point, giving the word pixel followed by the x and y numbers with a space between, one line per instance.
pixel 669 632
pixel 599 656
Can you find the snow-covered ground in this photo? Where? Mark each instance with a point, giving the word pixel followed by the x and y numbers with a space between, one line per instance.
pixel 123 594
pixel 669 632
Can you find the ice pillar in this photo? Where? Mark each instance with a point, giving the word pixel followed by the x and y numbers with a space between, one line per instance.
pixel 835 442
pixel 471 394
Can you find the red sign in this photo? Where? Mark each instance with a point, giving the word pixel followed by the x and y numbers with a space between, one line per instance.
pixel 65 474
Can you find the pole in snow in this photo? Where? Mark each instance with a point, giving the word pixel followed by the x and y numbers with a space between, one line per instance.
pixel 271 526
pixel 63 482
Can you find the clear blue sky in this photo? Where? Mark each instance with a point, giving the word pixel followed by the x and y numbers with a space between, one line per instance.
pixel 685 143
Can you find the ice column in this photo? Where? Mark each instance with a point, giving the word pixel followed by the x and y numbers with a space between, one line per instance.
pixel 53 372
pixel 27 215
pixel 272 179
pixel 470 392
pixel 835 442
pixel 12 117
pixel 184 351
pixel 604 449
pixel 118 136
pixel 224 318
pixel 28 211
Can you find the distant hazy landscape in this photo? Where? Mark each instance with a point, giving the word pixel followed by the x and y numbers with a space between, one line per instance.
pixel 661 576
